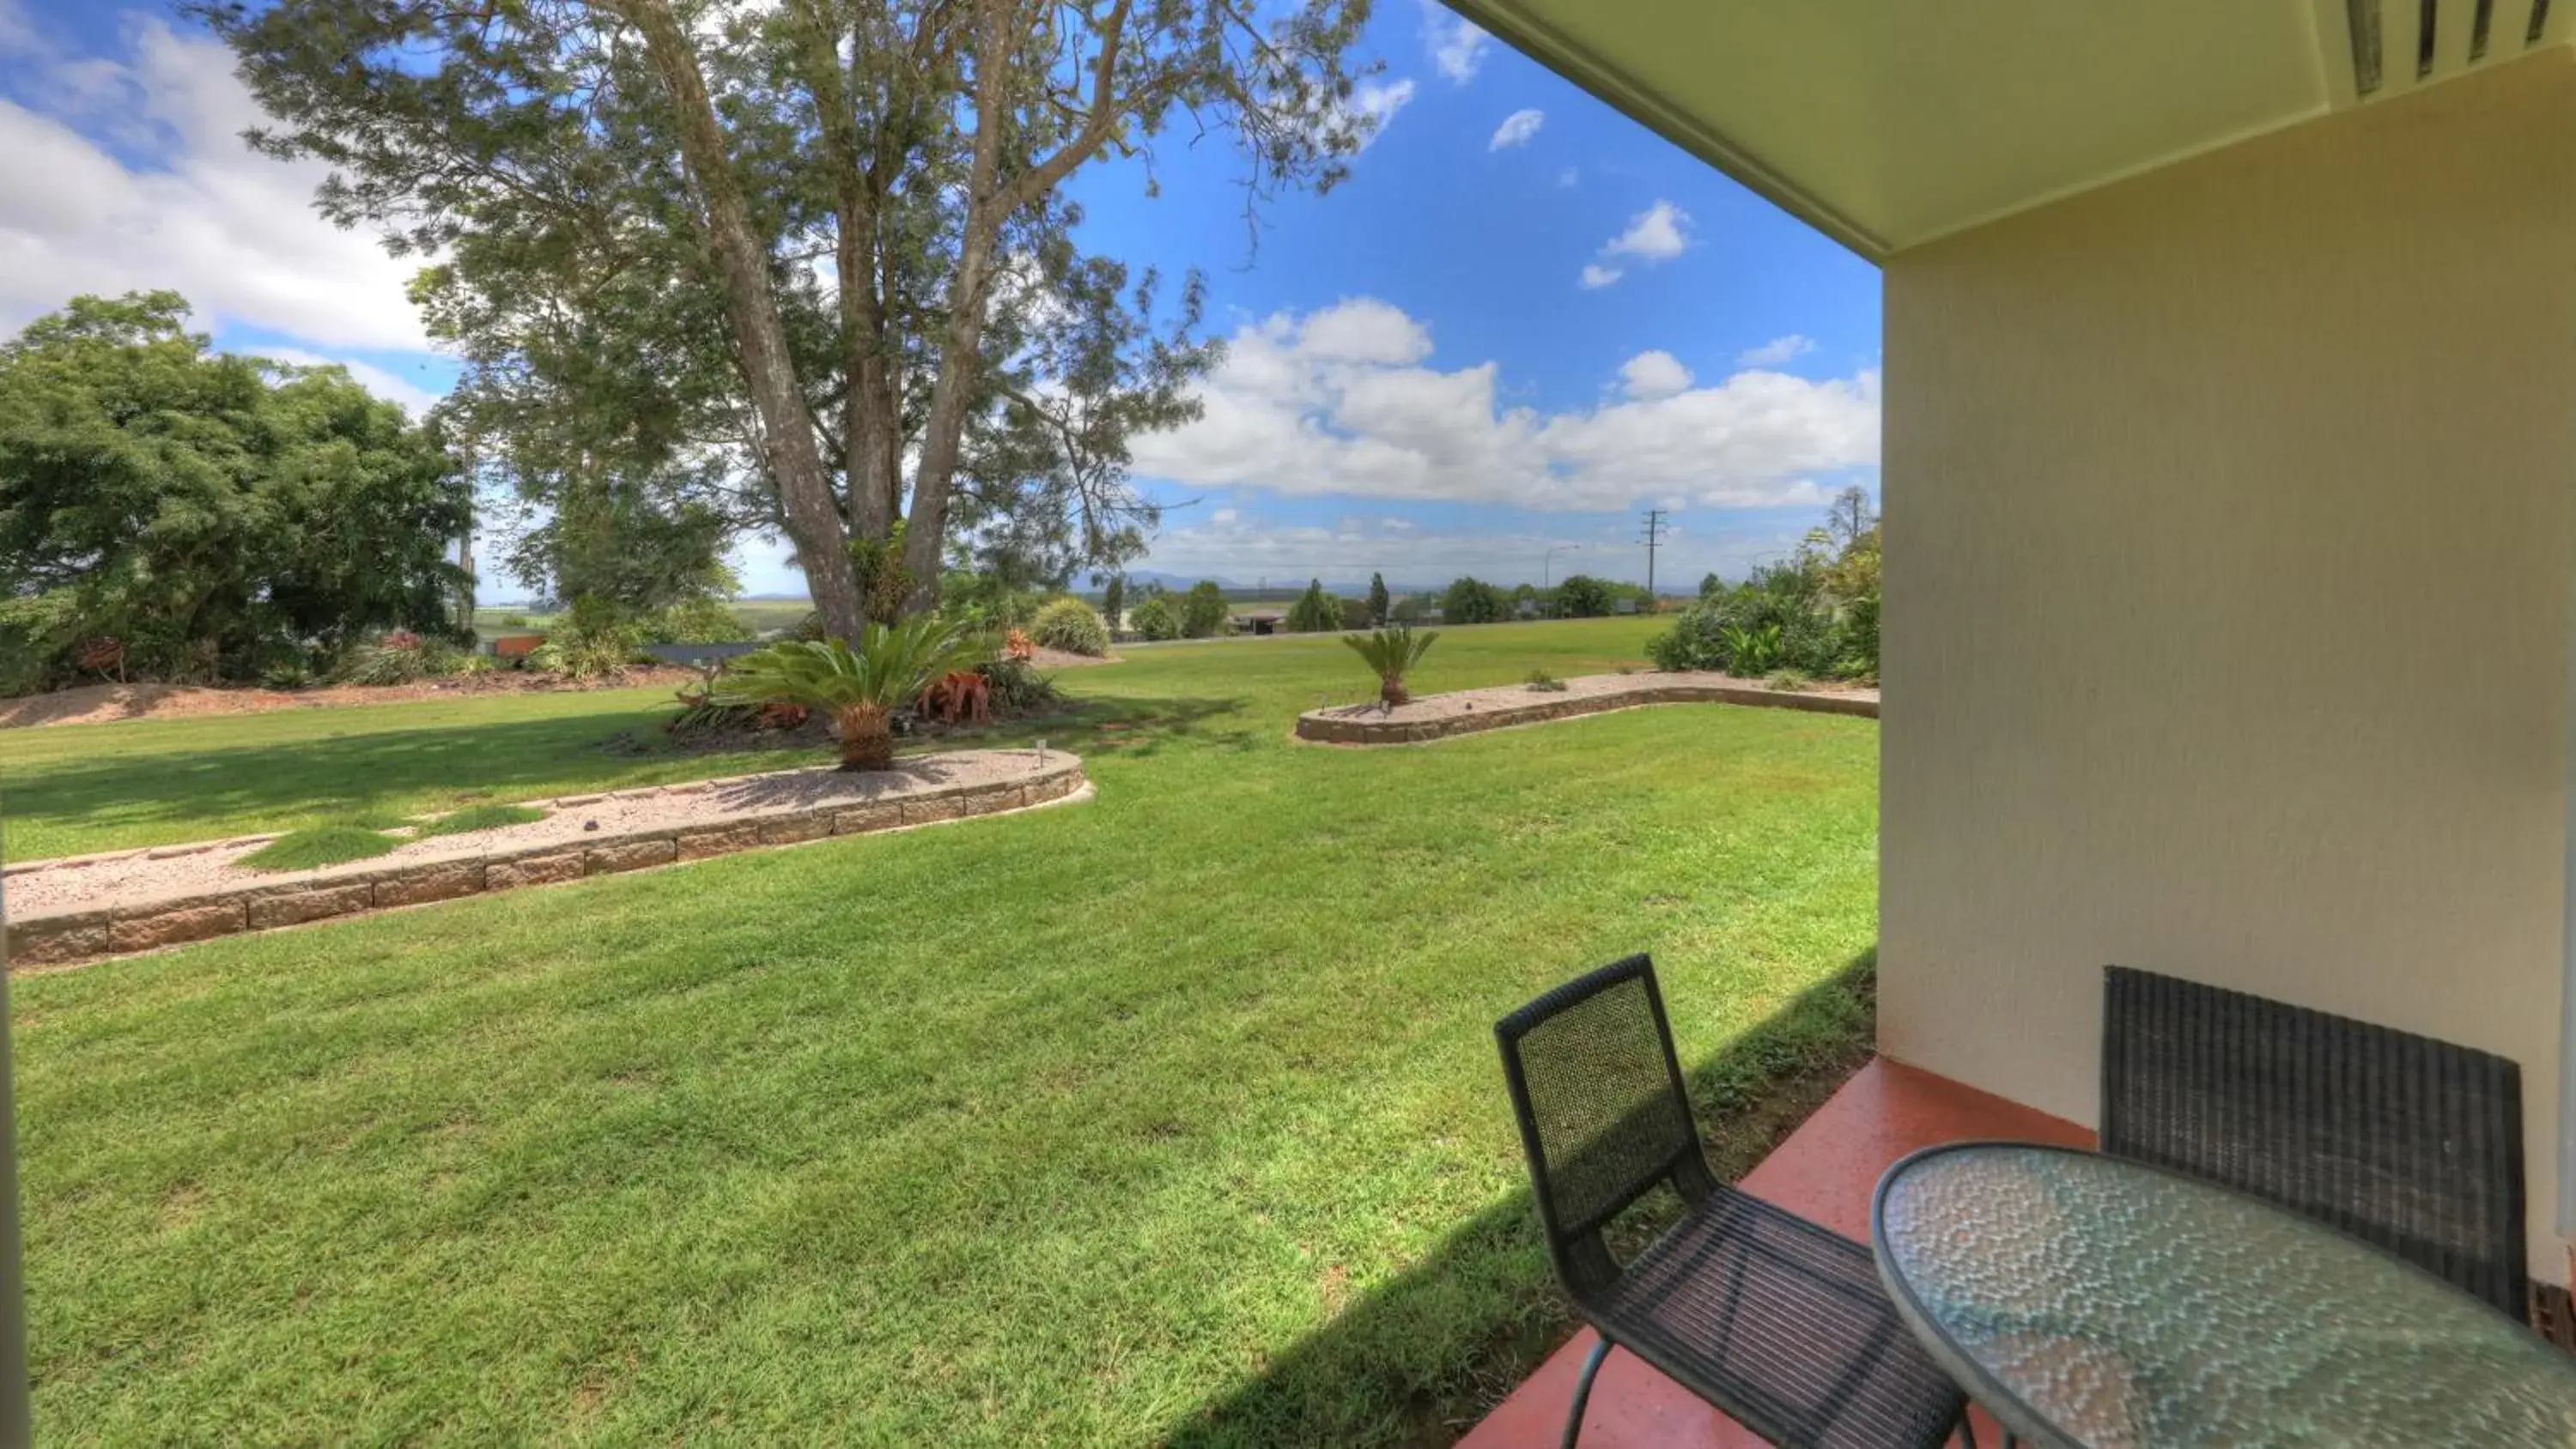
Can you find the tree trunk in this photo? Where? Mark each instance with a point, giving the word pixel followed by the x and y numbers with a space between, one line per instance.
pixel 795 458
pixel 1390 691
pixel 867 737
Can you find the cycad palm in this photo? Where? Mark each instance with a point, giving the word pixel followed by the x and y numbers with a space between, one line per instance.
pixel 1392 653
pixel 859 688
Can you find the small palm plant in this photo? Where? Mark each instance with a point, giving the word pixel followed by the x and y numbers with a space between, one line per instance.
pixel 1391 652
pixel 859 688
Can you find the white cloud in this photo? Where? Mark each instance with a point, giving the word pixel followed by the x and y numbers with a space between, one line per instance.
pixel 1516 129
pixel 1654 234
pixel 17 33
pixel 1776 351
pixel 411 397
pixel 1375 103
pixel 198 212
pixel 1657 234
pixel 1654 374
pixel 1344 401
pixel 1457 46
pixel 1569 176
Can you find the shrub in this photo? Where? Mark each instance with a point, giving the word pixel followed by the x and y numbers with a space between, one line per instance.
pixel 1014 685
pixel 859 688
pixel 1471 601
pixel 1408 610
pixel 1155 619
pixel 1391 654
pixel 1315 611
pixel 1582 596
pixel 1790 680
pixel 440 659
pixel 35 633
pixel 479 817
pixel 592 653
pixel 318 846
pixel 1016 644
pixel 1545 683
pixel 1356 615
pixel 698 621
pixel 1203 611
pixel 394 659
pixel 287 674
pixel 514 621
pixel 1069 624
pixel 546 658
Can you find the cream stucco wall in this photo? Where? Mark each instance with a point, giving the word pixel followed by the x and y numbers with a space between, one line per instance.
pixel 2228 590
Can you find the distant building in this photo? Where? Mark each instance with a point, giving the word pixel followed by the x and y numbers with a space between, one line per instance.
pixel 1261 621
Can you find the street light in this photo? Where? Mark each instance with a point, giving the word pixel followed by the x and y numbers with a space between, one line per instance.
pixel 1548 558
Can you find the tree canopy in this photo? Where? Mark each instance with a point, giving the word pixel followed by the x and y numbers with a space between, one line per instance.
pixel 814 254
pixel 170 512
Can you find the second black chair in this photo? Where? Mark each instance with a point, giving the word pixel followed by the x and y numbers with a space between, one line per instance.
pixel 1778 1322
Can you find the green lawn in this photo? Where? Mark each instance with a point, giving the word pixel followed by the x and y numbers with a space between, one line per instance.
pixel 1167 1117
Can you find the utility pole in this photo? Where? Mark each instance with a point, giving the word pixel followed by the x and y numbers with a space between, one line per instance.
pixel 1655 526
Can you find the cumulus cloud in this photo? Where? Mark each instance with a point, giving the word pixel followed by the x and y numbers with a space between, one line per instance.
pixel 1457 46
pixel 1516 129
pixel 194 209
pixel 1346 401
pixel 1375 103
pixel 1776 351
pixel 1654 234
pixel 1654 374
pixel 411 397
pixel 1657 234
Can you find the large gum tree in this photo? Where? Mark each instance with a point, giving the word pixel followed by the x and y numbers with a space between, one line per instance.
pixel 821 241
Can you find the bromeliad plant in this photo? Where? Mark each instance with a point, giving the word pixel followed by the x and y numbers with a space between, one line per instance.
pixel 859 688
pixel 1391 652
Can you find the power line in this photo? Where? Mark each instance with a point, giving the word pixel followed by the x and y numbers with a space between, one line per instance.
pixel 1655 528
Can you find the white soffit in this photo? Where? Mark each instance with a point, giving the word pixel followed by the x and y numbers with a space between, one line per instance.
pixel 1889 123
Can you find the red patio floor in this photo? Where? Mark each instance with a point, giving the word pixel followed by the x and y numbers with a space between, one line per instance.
pixel 1826 1171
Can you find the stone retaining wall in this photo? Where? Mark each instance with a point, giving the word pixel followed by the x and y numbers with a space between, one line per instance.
pixel 72 937
pixel 1366 726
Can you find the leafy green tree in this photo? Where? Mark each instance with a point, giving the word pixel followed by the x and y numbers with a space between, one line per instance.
pixel 821 246
pixel 192 515
pixel 1155 619
pixel 1471 601
pixel 1582 596
pixel 1378 604
pixel 1203 610
pixel 1409 609
pixel 1315 612
pixel 1113 601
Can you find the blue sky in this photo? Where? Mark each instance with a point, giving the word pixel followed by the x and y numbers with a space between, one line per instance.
pixel 1492 340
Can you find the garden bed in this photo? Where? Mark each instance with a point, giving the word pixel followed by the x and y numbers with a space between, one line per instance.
pixel 111 703
pixel 79 908
pixel 1439 716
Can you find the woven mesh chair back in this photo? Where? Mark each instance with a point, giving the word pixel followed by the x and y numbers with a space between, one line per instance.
pixel 1603 1114
pixel 2401 1140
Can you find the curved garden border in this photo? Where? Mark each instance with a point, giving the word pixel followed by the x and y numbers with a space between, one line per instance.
pixel 1441 716
pixel 81 934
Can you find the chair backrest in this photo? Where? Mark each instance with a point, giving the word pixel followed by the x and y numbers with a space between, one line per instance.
pixel 2401 1140
pixel 1603 1114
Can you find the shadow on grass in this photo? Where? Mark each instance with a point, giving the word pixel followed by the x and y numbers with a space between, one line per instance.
pixel 1486 1299
pixel 1132 728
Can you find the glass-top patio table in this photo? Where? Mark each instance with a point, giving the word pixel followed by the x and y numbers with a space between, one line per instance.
pixel 2087 1301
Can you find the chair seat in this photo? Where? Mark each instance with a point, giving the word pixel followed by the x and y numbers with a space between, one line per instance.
pixel 1782 1324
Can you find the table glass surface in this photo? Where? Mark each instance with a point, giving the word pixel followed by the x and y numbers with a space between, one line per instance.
pixel 2126 1306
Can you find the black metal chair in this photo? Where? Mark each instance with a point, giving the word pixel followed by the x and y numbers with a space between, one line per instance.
pixel 2400 1140
pixel 1776 1321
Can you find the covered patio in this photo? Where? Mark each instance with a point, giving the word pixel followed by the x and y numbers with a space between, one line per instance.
pixel 2227 468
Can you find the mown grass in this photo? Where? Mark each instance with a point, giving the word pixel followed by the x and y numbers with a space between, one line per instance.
pixel 478 817
pixel 1167 1117
pixel 319 845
